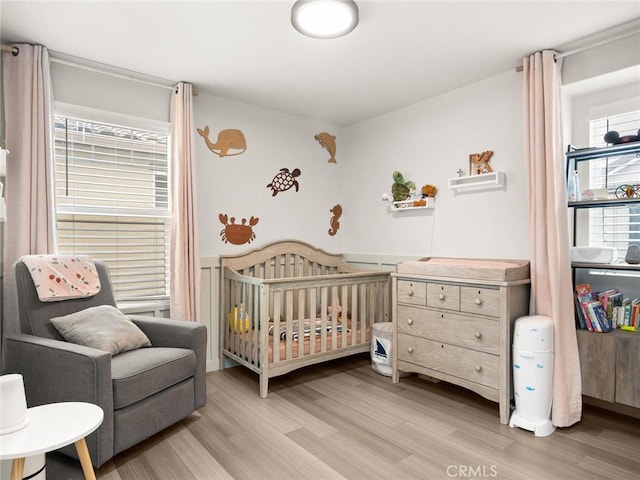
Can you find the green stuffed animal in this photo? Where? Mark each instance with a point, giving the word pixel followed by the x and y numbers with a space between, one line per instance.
pixel 401 188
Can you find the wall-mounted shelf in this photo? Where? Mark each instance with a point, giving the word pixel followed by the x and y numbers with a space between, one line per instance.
pixel 408 205
pixel 484 180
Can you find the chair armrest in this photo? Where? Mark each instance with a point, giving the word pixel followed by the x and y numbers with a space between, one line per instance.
pixel 164 332
pixel 59 371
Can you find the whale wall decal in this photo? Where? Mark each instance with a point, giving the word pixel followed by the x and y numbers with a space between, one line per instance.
pixel 230 140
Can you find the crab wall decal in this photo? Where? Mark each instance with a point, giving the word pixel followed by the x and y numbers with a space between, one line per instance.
pixel 237 234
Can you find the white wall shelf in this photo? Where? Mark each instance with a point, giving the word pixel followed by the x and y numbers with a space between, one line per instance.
pixel 484 180
pixel 408 205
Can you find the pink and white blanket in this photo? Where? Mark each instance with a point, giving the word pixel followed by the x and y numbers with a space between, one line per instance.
pixel 62 277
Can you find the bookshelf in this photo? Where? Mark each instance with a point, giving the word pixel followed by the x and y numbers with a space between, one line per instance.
pixel 609 362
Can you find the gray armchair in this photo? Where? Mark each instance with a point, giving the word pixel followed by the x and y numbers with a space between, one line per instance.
pixel 141 391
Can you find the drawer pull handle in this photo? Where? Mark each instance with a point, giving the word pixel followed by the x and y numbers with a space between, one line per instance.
pixel 478 335
pixel 409 321
pixel 410 293
pixel 478 368
pixel 478 301
pixel 410 349
pixel 441 296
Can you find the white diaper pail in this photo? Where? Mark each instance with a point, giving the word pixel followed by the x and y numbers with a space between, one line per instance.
pixel 533 374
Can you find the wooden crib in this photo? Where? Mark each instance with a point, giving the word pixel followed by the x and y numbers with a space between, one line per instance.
pixel 289 305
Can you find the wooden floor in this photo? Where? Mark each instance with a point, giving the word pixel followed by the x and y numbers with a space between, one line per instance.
pixel 342 420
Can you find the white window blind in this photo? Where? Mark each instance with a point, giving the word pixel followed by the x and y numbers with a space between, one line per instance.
pixel 614 227
pixel 112 202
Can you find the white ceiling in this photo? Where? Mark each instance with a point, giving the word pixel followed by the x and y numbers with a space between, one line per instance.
pixel 402 51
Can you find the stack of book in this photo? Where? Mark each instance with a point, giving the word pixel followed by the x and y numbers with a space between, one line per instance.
pixel 605 311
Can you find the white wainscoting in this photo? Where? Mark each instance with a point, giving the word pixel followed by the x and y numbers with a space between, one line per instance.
pixel 209 311
pixel 156 308
pixel 385 263
pixel 210 293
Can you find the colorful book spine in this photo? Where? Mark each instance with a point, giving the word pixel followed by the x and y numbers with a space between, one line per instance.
pixel 602 317
pixel 593 317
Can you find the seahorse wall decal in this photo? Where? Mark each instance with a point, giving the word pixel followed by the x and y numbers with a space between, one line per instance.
pixel 230 139
pixel 328 141
pixel 334 222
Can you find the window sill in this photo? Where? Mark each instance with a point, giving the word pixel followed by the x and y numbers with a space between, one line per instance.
pixel 156 308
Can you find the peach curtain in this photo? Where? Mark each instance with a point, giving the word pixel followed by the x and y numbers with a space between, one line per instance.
pixel 185 258
pixel 30 225
pixel 551 283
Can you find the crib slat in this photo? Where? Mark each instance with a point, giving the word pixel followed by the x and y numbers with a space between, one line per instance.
pixel 334 317
pixel 324 302
pixel 254 308
pixel 358 311
pixel 344 317
pixel 313 292
pixel 302 306
pixel 276 326
pixel 289 324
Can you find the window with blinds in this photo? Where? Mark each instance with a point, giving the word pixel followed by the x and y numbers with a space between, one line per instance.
pixel 112 202
pixel 614 227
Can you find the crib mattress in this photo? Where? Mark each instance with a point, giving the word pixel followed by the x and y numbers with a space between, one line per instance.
pixel 250 350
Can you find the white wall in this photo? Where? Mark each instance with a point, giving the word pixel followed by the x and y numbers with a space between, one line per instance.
pixel 237 185
pixel 428 142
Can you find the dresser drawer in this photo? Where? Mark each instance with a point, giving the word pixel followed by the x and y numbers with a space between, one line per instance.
pixel 441 295
pixel 454 328
pixel 414 293
pixel 478 367
pixel 480 301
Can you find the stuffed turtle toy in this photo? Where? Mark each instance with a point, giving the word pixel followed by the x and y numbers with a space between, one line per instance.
pixel 401 188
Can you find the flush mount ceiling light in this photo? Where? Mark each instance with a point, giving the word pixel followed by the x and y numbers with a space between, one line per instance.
pixel 324 18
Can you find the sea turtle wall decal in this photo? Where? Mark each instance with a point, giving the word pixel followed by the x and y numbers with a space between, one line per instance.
pixel 284 180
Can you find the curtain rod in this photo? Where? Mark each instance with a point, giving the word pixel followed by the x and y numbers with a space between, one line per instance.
pixel 53 58
pixel 10 48
pixel 105 71
pixel 568 53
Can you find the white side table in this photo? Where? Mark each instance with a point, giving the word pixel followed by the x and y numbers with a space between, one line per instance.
pixel 51 427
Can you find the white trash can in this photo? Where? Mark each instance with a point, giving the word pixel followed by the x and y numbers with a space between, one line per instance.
pixel 381 337
pixel 533 374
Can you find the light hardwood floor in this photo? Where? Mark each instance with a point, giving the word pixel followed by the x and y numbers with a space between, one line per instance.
pixel 341 420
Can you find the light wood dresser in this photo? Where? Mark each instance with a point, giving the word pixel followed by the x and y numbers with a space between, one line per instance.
pixel 453 320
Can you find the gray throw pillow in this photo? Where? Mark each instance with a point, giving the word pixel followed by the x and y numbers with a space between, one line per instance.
pixel 104 327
